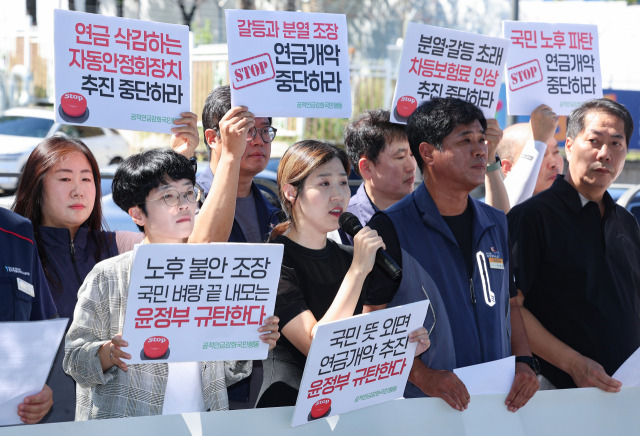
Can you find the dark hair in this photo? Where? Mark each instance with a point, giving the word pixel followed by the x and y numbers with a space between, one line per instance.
pixel 434 119
pixel 368 134
pixel 575 121
pixel 216 105
pixel 138 174
pixel 29 195
pixel 295 166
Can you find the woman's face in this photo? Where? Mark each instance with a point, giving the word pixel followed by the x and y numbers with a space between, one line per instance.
pixel 69 193
pixel 325 195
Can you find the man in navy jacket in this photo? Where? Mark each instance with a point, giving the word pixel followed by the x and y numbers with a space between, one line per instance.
pixel 454 251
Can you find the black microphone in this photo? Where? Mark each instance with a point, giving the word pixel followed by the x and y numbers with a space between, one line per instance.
pixel 350 224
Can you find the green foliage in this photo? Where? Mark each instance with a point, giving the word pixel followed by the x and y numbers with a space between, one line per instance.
pixel 203 34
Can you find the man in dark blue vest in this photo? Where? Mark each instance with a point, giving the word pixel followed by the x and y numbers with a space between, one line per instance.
pixel 454 251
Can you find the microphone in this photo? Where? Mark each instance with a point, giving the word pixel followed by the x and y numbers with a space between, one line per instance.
pixel 350 224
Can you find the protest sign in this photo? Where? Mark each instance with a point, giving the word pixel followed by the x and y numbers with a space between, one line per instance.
pixel 200 302
pixel 289 64
pixel 358 362
pixel 120 73
pixel 439 62
pixel 553 64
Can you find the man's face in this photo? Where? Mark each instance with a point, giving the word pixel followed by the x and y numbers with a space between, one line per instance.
pixel 596 155
pixel 462 162
pixel 394 173
pixel 256 155
pixel 552 165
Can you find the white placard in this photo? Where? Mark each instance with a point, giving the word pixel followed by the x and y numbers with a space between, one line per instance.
pixel 551 63
pixel 495 377
pixel 358 362
pixel 439 62
pixel 200 302
pixel 289 64
pixel 629 372
pixel 120 73
pixel 28 349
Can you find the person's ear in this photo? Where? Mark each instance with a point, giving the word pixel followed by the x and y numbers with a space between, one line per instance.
pixel 364 166
pixel 506 165
pixel 426 152
pixel 290 192
pixel 568 144
pixel 137 215
pixel 211 136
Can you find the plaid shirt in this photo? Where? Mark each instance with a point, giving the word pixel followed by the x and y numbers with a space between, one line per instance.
pixel 99 315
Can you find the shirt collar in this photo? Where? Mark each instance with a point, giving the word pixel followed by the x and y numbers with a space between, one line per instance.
pixel 574 199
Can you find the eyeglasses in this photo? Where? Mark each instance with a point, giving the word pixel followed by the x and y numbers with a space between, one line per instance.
pixel 172 197
pixel 267 134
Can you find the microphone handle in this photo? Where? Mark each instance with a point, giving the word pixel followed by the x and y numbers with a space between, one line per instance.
pixel 384 261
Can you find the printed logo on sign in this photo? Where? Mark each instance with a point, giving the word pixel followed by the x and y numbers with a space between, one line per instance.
pixel 524 75
pixel 156 347
pixel 252 71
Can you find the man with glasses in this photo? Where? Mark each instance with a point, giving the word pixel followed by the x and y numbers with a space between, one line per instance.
pixel 226 128
pixel 254 215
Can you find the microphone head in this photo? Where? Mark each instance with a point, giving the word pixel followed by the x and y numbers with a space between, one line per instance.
pixel 349 223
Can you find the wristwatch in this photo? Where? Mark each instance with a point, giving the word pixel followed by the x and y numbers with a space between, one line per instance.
pixel 531 361
pixel 494 166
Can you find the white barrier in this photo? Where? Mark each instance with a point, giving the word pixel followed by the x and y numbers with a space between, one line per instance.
pixel 582 412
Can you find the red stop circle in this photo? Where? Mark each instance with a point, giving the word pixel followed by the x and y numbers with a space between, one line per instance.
pixel 406 105
pixel 320 408
pixel 155 347
pixel 73 104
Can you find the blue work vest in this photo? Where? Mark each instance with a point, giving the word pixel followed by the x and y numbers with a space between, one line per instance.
pixel 468 318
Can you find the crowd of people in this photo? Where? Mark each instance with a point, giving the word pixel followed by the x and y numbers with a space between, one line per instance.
pixel 546 269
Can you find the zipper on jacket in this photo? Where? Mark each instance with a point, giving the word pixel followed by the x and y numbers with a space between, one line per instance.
pixel 475 314
pixel 73 261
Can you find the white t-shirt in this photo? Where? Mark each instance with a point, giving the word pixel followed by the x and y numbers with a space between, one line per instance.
pixel 184 389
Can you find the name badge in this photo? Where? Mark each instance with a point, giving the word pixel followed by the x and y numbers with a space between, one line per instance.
pixel 25 287
pixel 495 263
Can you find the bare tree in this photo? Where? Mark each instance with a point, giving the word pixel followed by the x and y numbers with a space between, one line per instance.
pixel 187 15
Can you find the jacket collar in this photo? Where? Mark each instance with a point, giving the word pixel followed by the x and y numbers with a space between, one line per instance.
pixel 431 215
pixel 570 196
pixel 59 239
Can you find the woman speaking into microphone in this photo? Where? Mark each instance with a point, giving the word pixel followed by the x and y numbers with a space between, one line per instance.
pixel 321 281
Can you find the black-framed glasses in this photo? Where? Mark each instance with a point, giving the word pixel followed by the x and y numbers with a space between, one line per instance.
pixel 267 134
pixel 172 197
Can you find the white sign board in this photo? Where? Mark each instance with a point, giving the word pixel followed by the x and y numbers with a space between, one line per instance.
pixel 553 64
pixel 289 64
pixel 439 62
pixel 120 73
pixel 200 302
pixel 358 362
pixel 29 349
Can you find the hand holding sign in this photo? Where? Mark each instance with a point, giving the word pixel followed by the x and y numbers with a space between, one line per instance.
pixel 185 138
pixel 493 136
pixel 421 336
pixel 544 123
pixel 111 353
pixel 270 331
pixel 233 130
